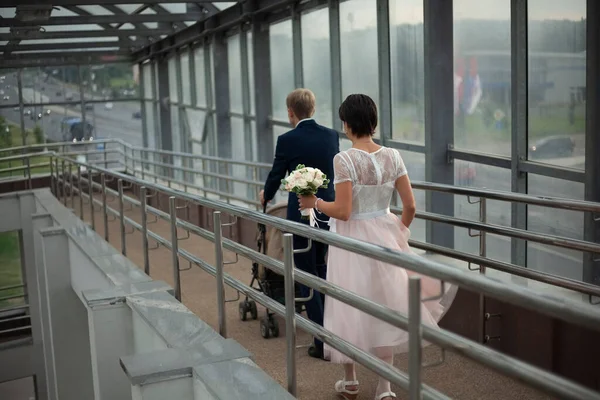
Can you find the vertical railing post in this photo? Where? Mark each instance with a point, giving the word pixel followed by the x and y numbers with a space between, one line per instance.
pixel 143 199
pixel 104 208
pixel 64 183
pixel 91 198
pixel 105 158
pixel 414 337
pixel 79 193
pixel 122 217
pixel 52 188
pixel 71 186
pixel 482 253
pixel 204 176
pixel 219 272
pixel 290 312
pixel 29 182
pixel 142 164
pixel 57 179
pixel 175 248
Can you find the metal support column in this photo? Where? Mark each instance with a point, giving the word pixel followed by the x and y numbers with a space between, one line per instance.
pixel 91 198
pixel 414 337
pixel 164 110
pixel 385 71
pixel 224 142
pixel 104 206
pixel 439 113
pixel 519 111
pixel 175 248
pixel 250 150
pixel 591 262
pixel 81 97
pixel 79 192
pixel 297 47
pixel 262 90
pixel 143 210
pixel 122 217
pixel 143 109
pixel 336 61
pixel 21 108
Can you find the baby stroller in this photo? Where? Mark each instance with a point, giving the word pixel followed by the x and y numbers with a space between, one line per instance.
pixel 269 242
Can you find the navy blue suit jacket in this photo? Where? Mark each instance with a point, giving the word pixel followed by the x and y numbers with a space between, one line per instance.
pixel 312 145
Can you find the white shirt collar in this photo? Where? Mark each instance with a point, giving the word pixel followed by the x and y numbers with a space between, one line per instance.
pixel 305 119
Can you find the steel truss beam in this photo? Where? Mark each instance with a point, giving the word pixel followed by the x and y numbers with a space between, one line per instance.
pixel 63 46
pixel 59 3
pixel 104 19
pixel 85 34
pixel 50 59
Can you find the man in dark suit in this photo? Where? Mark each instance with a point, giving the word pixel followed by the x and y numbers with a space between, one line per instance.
pixel 314 146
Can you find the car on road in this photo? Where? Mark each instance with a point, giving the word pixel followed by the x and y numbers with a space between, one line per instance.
pixel 108 106
pixel 6 97
pixel 58 94
pixel 69 97
pixel 89 106
pixel 47 112
pixel 552 147
pixel 1 91
pixel 17 108
pixel 137 115
pixel 27 112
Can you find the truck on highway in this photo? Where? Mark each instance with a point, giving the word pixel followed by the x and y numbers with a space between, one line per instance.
pixel 72 129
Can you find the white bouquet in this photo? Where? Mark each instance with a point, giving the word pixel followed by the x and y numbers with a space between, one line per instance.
pixel 305 181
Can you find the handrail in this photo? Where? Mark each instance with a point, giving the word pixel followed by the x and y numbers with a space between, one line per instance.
pixel 543 201
pixel 539 378
pixel 552 306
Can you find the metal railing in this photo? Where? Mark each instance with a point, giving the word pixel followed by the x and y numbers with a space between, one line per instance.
pixel 555 307
pixel 558 308
pixel 14 314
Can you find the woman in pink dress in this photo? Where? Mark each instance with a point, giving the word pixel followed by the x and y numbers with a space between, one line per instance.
pixel 365 179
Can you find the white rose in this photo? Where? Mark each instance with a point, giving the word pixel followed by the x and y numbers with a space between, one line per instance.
pixel 308 176
pixel 301 183
pixel 297 174
pixel 318 182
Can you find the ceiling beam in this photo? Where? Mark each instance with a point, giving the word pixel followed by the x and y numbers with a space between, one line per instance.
pixel 58 3
pixel 50 54
pixel 63 46
pixel 57 61
pixel 117 11
pixel 81 11
pixel 85 34
pixel 104 19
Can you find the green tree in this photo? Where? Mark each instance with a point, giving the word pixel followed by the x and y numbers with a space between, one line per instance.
pixel 5 134
pixel 38 134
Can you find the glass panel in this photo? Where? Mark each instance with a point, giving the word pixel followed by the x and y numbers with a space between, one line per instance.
pixel 557 82
pixel 9 92
pixel 408 91
pixel 122 121
pixel 185 78
pixel 415 165
pixel 147 69
pixel 235 74
pixel 200 77
pixel 317 62
pixel 282 66
pixel 150 127
pixel 482 76
pixel 175 129
pixel 277 131
pixel 173 97
pixel 251 72
pixel 238 152
pixel 358 40
pixel 498 212
pixel 551 259
pixel 212 73
pixel 110 81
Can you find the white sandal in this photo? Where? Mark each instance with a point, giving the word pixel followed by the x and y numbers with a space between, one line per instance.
pixel 385 394
pixel 340 388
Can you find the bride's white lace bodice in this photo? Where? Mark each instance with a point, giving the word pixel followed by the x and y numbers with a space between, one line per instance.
pixel 373 177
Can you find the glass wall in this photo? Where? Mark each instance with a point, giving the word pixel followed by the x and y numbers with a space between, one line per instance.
pixel 282 67
pixel 316 59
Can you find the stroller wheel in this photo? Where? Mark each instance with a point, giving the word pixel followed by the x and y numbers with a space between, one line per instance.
pixel 265 332
pixel 274 327
pixel 252 309
pixel 243 309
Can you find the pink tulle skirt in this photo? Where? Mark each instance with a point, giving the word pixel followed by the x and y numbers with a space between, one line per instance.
pixel 379 282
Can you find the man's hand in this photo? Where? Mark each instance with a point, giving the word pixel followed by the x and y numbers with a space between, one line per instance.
pixel 261 197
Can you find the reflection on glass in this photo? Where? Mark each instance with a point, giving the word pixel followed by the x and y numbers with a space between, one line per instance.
pixel 235 73
pixel 358 41
pixel 200 77
pixel 282 66
pixel 251 71
pixel 147 68
pixel 185 78
pixel 482 76
pixel 150 127
pixel 498 212
pixel 173 97
pixel 123 121
pixel 406 38
pixel 238 152
pixel 557 82
pixel 317 62
pixel 551 259
pixel 415 166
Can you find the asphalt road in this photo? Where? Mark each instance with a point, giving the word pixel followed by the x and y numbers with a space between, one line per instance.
pixel 118 123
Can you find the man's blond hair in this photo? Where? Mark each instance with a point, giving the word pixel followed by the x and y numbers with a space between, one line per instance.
pixel 302 103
